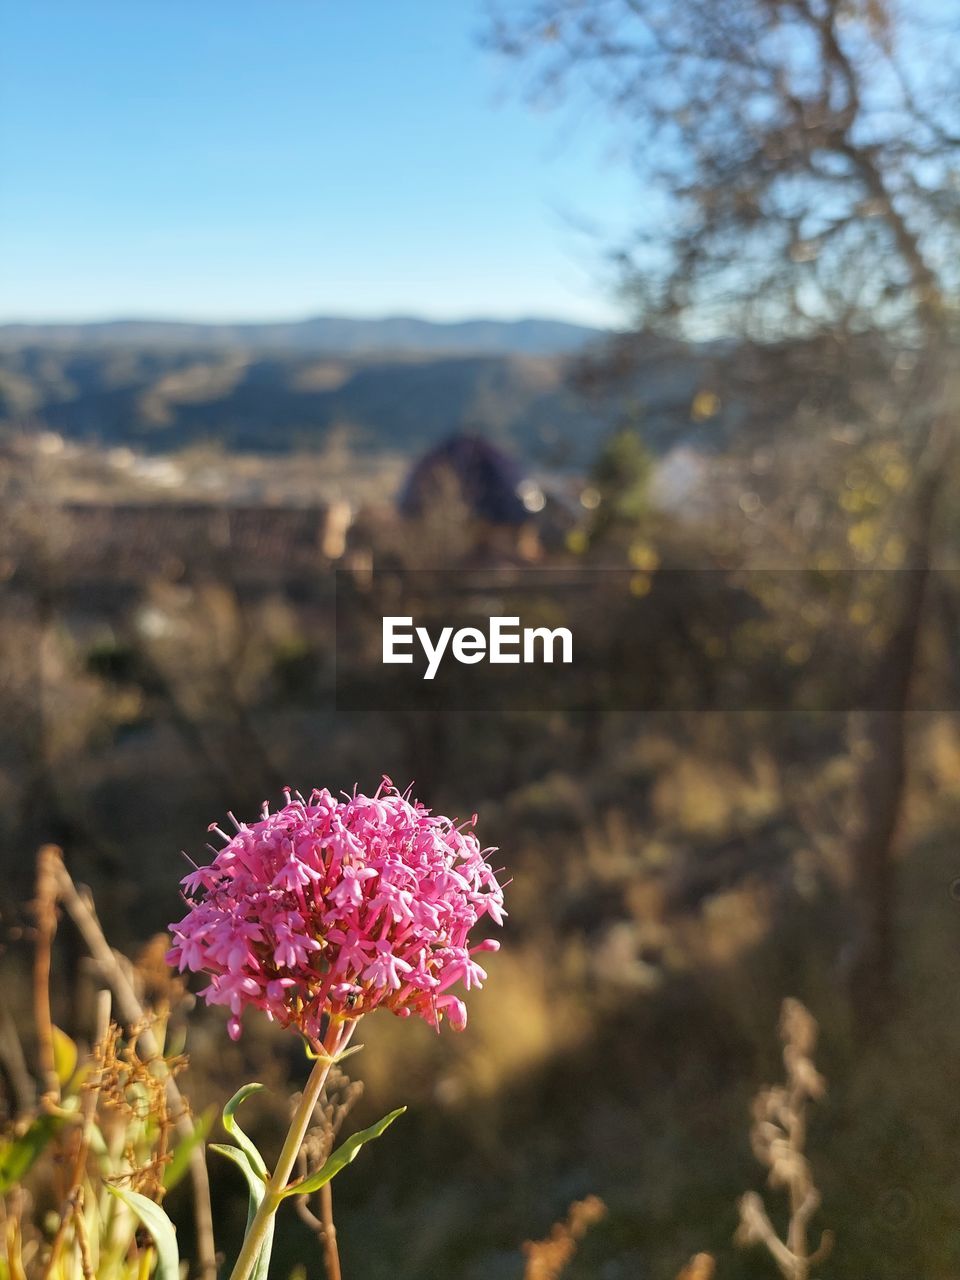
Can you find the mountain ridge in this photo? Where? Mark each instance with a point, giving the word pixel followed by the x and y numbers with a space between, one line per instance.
pixel 341 335
pixel 165 397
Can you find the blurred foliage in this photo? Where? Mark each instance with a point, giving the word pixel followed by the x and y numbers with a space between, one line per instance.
pixel 621 476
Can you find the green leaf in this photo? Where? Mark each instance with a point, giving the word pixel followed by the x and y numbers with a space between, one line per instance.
pixel 326 1057
pixel 18 1155
pixel 180 1162
pixel 343 1156
pixel 162 1230
pixel 65 1056
pixel 230 1124
pixel 257 1191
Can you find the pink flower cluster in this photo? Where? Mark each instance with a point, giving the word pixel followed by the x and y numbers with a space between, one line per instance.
pixel 336 907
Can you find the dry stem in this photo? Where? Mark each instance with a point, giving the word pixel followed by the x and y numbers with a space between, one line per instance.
pixel 700 1267
pixel 778 1137
pixel 336 1039
pixel 72 1210
pixel 340 1094
pixel 45 911
pixel 547 1259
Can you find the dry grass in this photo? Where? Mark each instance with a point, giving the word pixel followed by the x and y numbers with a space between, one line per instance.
pixel 700 1267
pixel 547 1259
pixel 778 1136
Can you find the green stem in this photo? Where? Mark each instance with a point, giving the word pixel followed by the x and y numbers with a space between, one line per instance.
pixel 335 1040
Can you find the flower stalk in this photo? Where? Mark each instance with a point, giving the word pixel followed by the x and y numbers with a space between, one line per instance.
pixel 336 1039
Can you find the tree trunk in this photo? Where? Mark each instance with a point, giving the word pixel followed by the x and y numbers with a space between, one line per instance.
pixel 883 777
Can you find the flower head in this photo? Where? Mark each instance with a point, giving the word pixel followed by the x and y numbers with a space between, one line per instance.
pixel 332 908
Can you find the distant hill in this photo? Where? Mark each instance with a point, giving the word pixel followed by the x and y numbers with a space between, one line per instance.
pixel 327 334
pixel 162 399
pixel 398 385
pixel 547 390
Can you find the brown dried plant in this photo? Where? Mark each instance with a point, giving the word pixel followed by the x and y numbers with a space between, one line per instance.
pixel 700 1267
pixel 56 887
pixel 134 1105
pixel 99 1123
pixel 339 1097
pixel 547 1259
pixel 108 1125
pixel 778 1137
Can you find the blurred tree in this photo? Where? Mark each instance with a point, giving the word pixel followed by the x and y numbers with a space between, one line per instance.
pixel 801 156
pixel 800 161
pixel 621 476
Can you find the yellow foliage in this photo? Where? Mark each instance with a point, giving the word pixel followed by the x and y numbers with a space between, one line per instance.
pixel 895 551
pixel 862 538
pixel 644 556
pixel 706 404
pixel 853 501
pixel 896 476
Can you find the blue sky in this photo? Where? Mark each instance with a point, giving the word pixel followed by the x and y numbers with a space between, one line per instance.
pixel 277 158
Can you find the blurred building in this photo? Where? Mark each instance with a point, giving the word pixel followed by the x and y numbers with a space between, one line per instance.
pixel 133 542
pixel 470 479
